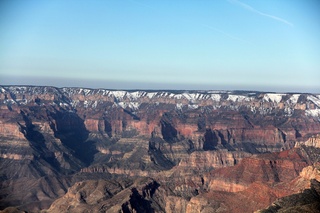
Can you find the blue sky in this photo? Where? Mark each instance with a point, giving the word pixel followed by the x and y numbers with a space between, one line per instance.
pixel 269 45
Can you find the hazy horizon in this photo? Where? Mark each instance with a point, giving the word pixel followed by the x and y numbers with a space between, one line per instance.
pixel 121 85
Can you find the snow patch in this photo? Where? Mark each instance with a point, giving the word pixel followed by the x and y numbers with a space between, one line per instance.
pixel 179 106
pixel 86 104
pixel 178 96
pixel 238 98
pixel 253 109
pixel 74 103
pixel 164 94
pixel 102 91
pixel 9 101
pixel 23 101
pixel 171 95
pixel 95 104
pixel 63 104
pixel 151 94
pixel 118 94
pixel 314 99
pixel 136 95
pixel 294 98
pixel 289 111
pixel 20 89
pixel 313 112
pixel 187 96
pixel 273 97
pixel 192 96
pixel 193 106
pixel 86 91
pixel 131 105
pixel 215 97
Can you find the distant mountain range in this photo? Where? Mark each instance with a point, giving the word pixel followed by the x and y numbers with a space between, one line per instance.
pixel 98 150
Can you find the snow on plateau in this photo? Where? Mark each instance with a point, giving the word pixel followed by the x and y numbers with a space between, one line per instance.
pixel 313 112
pixel 315 100
pixel 273 97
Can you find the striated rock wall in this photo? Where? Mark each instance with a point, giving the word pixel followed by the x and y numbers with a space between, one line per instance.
pixel 265 168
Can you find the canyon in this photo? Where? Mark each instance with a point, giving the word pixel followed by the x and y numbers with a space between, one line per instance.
pixel 99 150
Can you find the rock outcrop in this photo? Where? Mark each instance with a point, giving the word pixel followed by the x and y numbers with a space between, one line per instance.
pixel 307 201
pixel 109 196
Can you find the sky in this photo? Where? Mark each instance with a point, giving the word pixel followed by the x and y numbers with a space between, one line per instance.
pixel 266 45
